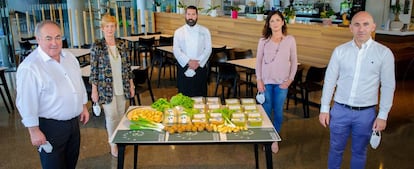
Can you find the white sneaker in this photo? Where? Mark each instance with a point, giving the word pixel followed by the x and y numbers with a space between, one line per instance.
pixel 375 139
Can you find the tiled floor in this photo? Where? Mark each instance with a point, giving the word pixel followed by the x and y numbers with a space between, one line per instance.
pixel 304 145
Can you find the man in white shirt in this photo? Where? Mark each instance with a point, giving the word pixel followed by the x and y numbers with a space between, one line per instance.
pixel 357 70
pixel 51 98
pixel 192 48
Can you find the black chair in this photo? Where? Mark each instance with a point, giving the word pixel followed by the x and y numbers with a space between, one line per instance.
pixel 212 61
pixel 146 46
pixel 166 41
pixel 153 33
pixel 137 34
pixel 65 43
pixel 28 38
pixel 248 73
pixel 163 59
pixel 86 46
pixel 227 75
pixel 313 82
pixel 133 47
pixel 3 83
pixel 294 89
pixel 25 49
pixel 142 84
pixel 88 86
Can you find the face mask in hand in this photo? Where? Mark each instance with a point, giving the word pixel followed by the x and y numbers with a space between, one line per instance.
pixel 260 97
pixel 96 109
pixel 375 139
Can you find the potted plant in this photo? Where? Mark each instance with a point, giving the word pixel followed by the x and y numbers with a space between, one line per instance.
pixel 396 9
pixel 327 16
pixel 396 24
pixel 181 7
pixel 260 13
pixel 212 10
pixel 234 11
pixel 290 14
pixel 168 8
pixel 158 6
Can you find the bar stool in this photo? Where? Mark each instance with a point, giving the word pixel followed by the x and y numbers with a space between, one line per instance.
pixel 6 88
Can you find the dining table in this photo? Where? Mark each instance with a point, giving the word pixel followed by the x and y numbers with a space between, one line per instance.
pixel 264 134
pixel 80 54
pixel 136 38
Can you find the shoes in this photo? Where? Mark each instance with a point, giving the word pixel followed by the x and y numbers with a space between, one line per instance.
pixel 114 151
pixel 275 147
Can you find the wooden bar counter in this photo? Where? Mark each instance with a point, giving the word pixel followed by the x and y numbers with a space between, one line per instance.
pixel 315 42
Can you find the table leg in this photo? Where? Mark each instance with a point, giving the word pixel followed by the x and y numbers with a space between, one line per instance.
pixel 121 155
pixel 269 158
pixel 135 156
pixel 6 88
pixel 256 155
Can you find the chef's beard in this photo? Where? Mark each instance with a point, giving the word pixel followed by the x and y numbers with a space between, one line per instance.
pixel 191 22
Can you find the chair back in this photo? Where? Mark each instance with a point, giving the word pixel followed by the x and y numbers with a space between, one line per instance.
pixel 220 57
pixel 315 74
pixel 224 69
pixel 137 34
pixel 65 43
pixel 28 38
pixel 166 41
pixel 140 75
pixel 214 52
pixel 298 78
pixel 153 33
pixel 146 42
pixel 25 45
pixel 243 54
pixel 86 46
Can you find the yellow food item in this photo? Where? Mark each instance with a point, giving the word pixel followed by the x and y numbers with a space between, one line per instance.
pixel 146 113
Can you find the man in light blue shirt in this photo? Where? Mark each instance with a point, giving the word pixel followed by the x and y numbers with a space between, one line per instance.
pixel 192 48
pixel 51 98
pixel 358 72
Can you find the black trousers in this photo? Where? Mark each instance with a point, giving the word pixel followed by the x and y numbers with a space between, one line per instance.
pixel 192 86
pixel 64 136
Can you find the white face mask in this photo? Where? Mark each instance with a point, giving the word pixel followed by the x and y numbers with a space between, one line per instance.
pixel 375 139
pixel 96 109
pixel 260 97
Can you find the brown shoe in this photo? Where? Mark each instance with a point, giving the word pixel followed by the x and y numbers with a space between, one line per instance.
pixel 275 147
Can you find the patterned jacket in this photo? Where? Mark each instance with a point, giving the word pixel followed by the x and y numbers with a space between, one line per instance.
pixel 101 73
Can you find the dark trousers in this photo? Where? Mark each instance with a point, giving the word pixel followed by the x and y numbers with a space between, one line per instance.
pixel 192 86
pixel 64 136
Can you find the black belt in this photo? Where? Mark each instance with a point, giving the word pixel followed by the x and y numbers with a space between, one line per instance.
pixel 355 108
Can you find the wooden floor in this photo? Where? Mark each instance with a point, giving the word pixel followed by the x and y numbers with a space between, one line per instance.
pixel 304 142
